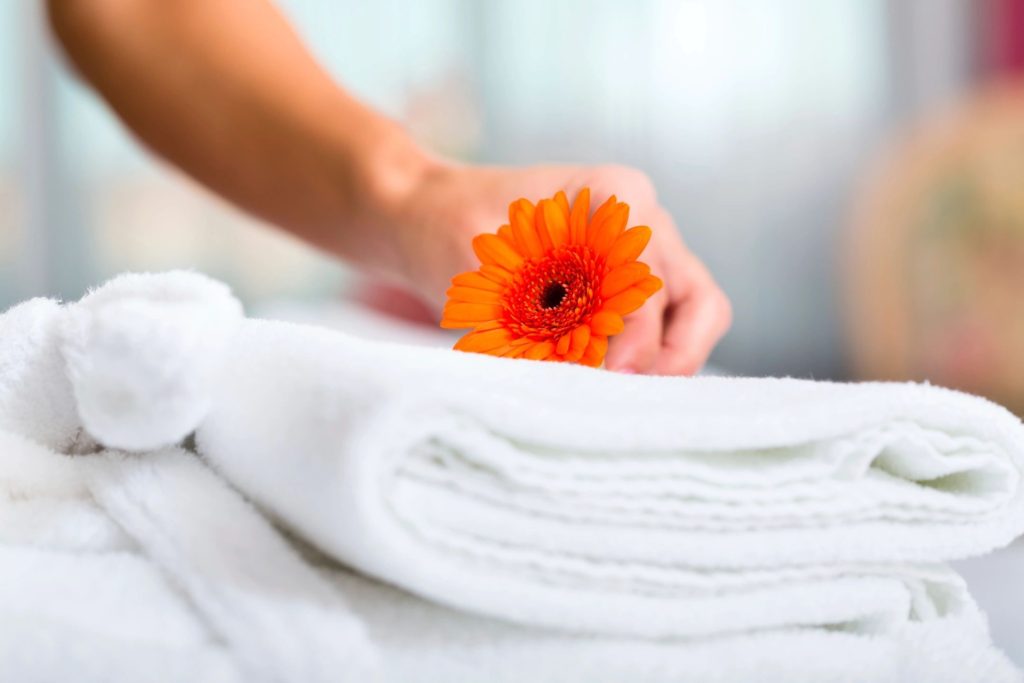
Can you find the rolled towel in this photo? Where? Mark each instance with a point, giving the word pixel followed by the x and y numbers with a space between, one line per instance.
pixel 143 352
pixel 592 502
pixel 132 365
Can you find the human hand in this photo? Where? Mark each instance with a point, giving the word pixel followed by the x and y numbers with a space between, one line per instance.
pixel 672 334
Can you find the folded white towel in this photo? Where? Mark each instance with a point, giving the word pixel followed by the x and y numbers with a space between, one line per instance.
pixel 671 529
pixel 577 499
pixel 423 642
pixel 202 589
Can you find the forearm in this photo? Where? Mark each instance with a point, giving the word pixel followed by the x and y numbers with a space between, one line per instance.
pixel 225 90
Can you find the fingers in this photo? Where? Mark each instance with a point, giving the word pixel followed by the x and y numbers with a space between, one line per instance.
pixel 676 330
pixel 693 326
pixel 636 349
pixel 694 314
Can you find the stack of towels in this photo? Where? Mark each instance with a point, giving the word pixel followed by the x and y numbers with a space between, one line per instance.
pixel 418 514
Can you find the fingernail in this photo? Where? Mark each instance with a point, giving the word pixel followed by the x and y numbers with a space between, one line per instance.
pixel 627 371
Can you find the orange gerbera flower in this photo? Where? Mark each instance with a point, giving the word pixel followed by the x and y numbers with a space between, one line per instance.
pixel 553 284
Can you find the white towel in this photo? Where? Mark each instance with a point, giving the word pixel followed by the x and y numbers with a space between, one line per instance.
pixel 577 499
pixel 228 601
pixel 149 568
pixel 423 642
pixel 117 567
pixel 143 352
pixel 35 393
pixel 668 529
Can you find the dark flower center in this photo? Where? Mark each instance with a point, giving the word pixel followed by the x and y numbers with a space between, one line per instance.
pixel 552 295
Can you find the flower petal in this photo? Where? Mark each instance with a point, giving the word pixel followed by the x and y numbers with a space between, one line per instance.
pixel 606 323
pixel 471 313
pixel 524 206
pixel 484 342
pixel 622 277
pixel 540 350
pixel 473 295
pixel 600 214
pixel 517 351
pixel 562 202
pixel 604 231
pixel 626 302
pixel 541 226
pixel 628 246
pixel 450 324
pixel 555 221
pixel 562 347
pixel 649 285
pixel 505 233
pixel 477 281
pixel 495 274
pixel 580 339
pixel 578 217
pixel 596 350
pixel 493 250
pixel 521 218
pixel 488 325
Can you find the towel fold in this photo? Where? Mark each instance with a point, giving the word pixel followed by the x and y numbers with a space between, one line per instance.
pixel 580 500
pixel 421 641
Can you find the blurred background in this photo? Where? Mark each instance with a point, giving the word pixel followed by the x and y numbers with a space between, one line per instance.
pixel 852 171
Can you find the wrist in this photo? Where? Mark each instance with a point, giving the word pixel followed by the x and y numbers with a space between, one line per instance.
pixel 390 170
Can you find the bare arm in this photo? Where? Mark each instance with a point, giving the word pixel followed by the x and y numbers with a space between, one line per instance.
pixel 225 90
